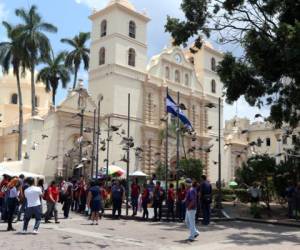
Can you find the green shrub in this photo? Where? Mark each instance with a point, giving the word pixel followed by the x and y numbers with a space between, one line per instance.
pixel 242 195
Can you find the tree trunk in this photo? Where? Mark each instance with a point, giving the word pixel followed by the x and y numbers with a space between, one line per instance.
pixel 20 101
pixel 53 96
pixel 75 78
pixel 33 104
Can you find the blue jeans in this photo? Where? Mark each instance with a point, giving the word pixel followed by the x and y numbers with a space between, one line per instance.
pixel 134 203
pixel 29 212
pixel 191 222
pixel 206 213
pixel 181 210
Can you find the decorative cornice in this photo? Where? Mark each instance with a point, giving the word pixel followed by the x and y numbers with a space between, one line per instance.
pixel 121 7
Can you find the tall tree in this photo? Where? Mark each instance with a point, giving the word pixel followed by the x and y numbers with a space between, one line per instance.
pixel 80 53
pixel 269 33
pixel 33 38
pixel 54 72
pixel 11 54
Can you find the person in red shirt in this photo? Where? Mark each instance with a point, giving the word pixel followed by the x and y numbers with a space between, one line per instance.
pixel 171 201
pixel 135 192
pixel 52 199
pixel 3 189
pixel 180 202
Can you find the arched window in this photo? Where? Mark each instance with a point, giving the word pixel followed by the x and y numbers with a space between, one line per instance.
pixel 102 56
pixel 213 86
pixel 36 101
pixel 103 28
pixel 167 73
pixel 14 99
pixel 131 57
pixel 186 80
pixel 177 75
pixel 132 29
pixel 213 64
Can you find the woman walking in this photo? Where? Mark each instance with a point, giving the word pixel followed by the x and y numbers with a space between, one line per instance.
pixel 145 201
pixel 94 201
pixel 12 201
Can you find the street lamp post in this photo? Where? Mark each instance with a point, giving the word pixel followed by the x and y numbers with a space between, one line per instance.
pixel 219 184
pixel 94 143
pixel 107 150
pixel 100 98
pixel 219 205
pixel 128 157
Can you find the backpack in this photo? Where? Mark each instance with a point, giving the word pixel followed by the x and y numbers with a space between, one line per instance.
pixel 46 195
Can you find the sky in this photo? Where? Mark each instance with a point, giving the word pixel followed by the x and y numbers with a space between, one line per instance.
pixel 71 17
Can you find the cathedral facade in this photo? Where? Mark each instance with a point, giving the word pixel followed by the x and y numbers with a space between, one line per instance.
pixel 119 68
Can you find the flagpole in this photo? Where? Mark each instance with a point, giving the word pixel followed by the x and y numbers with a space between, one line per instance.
pixel 177 141
pixel 167 138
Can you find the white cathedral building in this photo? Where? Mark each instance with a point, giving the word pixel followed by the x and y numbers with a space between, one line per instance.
pixel 119 66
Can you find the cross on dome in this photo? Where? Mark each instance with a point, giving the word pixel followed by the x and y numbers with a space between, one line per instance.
pixel 125 3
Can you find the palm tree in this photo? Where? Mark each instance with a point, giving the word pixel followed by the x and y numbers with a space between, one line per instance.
pixel 80 53
pixel 54 71
pixel 11 54
pixel 33 38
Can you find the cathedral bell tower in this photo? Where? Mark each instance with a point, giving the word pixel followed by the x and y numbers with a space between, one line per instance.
pixel 118 63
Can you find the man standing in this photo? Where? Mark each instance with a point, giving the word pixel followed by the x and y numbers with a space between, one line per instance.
pixel 68 197
pixel 158 197
pixel 206 199
pixel 289 194
pixel 191 207
pixel 52 199
pixel 117 192
pixel 33 196
pixel 171 201
pixel 135 192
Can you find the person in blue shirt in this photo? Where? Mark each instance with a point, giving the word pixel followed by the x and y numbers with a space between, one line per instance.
pixel 206 199
pixel 117 192
pixel 94 201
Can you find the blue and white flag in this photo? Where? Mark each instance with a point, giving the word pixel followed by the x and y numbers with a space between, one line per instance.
pixel 173 109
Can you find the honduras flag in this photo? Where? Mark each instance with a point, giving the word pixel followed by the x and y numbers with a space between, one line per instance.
pixel 173 109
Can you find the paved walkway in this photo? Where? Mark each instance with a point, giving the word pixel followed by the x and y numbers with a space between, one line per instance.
pixel 77 233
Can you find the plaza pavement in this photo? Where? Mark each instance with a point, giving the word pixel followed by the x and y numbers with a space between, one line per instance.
pixel 77 233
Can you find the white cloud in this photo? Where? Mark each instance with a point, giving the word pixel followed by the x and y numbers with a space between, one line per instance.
pixel 242 109
pixel 93 4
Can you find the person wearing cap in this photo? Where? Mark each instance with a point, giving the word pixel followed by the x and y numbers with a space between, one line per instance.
pixel 191 207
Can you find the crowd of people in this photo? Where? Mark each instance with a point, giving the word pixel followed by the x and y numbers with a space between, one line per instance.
pixel 21 199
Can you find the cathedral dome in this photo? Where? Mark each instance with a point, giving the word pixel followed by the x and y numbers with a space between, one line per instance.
pixel 125 3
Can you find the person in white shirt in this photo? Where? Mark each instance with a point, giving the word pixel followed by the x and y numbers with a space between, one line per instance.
pixel 33 196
